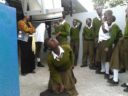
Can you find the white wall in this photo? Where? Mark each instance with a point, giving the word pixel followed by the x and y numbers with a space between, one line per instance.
pixel 119 12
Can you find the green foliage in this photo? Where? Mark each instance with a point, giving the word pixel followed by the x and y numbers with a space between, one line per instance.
pixel 100 2
pixel 112 3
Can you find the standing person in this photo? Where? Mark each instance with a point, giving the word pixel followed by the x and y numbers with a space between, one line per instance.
pixel 25 42
pixel 60 62
pixel 103 37
pixel 88 44
pixel 114 37
pixel 97 22
pixel 39 38
pixel 119 56
pixel 56 28
pixel 62 31
pixel 74 36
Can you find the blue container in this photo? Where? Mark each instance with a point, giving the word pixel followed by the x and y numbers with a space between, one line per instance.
pixel 9 73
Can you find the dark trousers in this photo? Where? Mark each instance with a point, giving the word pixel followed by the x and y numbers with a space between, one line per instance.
pixel 27 56
pixel 38 49
pixel 75 48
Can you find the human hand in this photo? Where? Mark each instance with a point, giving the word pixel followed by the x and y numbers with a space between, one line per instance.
pixel 61 89
pixel 106 49
pixel 58 34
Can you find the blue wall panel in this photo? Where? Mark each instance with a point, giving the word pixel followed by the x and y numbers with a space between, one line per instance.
pixel 9 74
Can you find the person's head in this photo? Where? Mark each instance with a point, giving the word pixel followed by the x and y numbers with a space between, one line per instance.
pixel 56 24
pixel 107 13
pixel 126 11
pixel 99 11
pixel 110 19
pixel 27 18
pixel 113 18
pixel 63 17
pixel 74 22
pixel 51 43
pixel 88 21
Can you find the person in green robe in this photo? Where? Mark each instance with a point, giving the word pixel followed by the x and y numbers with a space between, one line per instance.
pixel 74 38
pixel 97 22
pixel 62 31
pixel 115 34
pixel 103 37
pixel 61 63
pixel 119 56
pixel 56 27
pixel 88 44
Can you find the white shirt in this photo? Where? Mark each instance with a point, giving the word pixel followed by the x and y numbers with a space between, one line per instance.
pixel 102 35
pixel 98 17
pixel 75 26
pixel 89 27
pixel 113 24
pixel 40 32
pixel 61 23
pixel 55 56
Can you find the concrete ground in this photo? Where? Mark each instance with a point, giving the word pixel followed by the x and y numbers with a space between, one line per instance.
pixel 89 83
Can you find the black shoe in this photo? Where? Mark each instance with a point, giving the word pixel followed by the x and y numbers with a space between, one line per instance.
pixel 99 72
pixel 110 79
pixel 92 67
pixel 33 72
pixel 23 74
pixel 75 64
pixel 126 89
pixel 40 65
pixel 85 65
pixel 124 85
pixel 106 76
pixel 113 83
pixel 110 72
pixel 122 71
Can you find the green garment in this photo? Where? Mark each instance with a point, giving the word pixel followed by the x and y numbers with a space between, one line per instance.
pixel 115 34
pixel 64 29
pixel 88 52
pixel 88 34
pixel 74 32
pixel 96 25
pixel 56 30
pixel 120 54
pixel 65 63
pixel 61 71
pixel 126 29
pixel 119 57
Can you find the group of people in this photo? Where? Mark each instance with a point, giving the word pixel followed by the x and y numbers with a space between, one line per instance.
pixel 105 50
pixel 104 46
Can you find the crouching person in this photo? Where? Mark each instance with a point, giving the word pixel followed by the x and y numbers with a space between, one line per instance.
pixel 60 63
